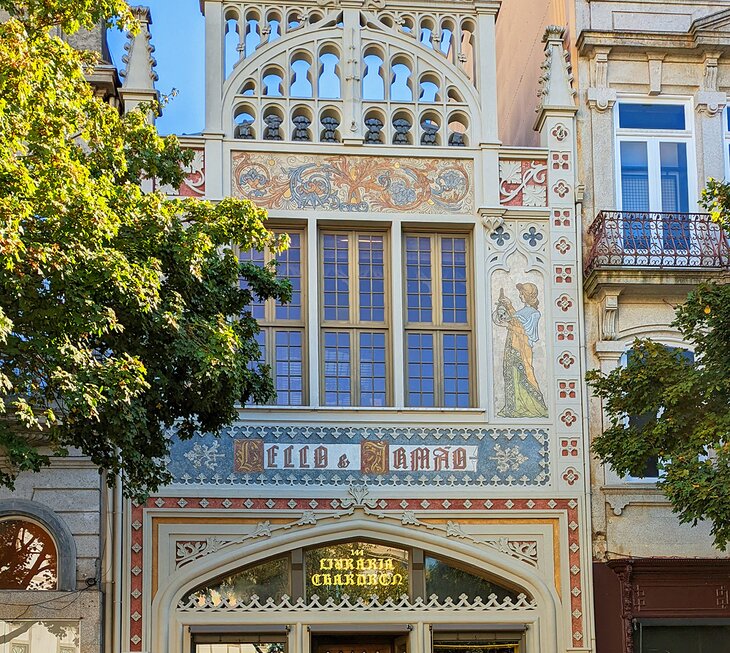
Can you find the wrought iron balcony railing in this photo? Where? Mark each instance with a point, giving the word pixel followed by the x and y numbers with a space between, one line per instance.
pixel 623 239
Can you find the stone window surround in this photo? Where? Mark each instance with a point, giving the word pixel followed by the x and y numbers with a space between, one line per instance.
pixel 57 528
pixel 611 355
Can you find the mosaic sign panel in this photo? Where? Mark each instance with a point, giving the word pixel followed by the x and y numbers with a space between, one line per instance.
pixel 354 184
pixel 389 456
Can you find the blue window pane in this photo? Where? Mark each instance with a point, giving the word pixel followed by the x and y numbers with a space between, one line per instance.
pixel 336 277
pixel 371 256
pixel 675 196
pixel 337 373
pixel 420 379
pixel 453 280
pixel 288 368
pixel 372 369
pixel 257 307
pixel 456 373
pixel 418 279
pixel 635 194
pixel 290 267
pixel 651 116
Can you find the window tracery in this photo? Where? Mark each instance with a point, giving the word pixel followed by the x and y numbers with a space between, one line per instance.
pixel 414 83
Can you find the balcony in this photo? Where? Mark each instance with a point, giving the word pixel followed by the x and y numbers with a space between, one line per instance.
pixel 645 247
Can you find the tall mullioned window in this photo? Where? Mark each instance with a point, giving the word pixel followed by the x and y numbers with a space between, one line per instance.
pixel 282 336
pixel 354 319
pixel 437 320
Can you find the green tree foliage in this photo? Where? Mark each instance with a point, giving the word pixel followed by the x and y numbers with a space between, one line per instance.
pixel 685 404
pixel 118 308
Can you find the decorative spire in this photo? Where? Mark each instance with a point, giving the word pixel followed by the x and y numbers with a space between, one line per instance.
pixel 139 75
pixel 556 90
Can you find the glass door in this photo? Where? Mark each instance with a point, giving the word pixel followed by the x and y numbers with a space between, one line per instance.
pixel 229 643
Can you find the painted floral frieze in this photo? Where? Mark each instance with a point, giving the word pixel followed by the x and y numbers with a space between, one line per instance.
pixel 354 184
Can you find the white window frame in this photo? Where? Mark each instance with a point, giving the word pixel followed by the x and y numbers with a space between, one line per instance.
pixel 653 138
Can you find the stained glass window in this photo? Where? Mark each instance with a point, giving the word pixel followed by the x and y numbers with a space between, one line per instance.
pixel 269 579
pixel 359 570
pixel 446 580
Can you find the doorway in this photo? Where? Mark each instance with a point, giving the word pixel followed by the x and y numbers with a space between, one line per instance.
pixel 359 643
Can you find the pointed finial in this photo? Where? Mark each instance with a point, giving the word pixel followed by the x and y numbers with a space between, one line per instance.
pixel 139 75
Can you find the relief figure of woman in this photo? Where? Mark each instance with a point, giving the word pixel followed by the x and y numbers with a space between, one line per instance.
pixel 523 397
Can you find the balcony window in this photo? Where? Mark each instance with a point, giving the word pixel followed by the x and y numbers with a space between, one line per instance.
pixel 654 166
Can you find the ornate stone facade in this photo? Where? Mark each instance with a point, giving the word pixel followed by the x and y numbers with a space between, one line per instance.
pixel 498 482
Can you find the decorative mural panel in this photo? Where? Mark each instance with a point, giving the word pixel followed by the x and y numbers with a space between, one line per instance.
pixel 519 350
pixel 382 456
pixel 523 182
pixel 355 184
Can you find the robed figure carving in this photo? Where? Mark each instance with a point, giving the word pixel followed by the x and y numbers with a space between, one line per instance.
pixel 522 394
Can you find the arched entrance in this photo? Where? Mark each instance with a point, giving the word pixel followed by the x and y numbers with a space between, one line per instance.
pixel 284 593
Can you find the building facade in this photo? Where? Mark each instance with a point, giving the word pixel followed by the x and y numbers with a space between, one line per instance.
pixel 57 526
pixel 461 252
pixel 421 482
pixel 652 84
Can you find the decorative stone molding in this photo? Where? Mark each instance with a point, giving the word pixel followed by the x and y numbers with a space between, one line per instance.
pixel 399 511
pixel 139 73
pixel 709 79
pixel 556 90
pixel 523 182
pixel 374 604
pixel 710 103
pixel 600 97
pixel 492 219
pixel 618 503
pixel 187 551
pixel 620 497
pixel 608 299
pixel 655 72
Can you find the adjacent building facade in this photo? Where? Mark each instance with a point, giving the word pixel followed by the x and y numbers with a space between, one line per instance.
pixel 652 85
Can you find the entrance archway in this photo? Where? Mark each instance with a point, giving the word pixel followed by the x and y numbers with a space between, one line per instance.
pixel 299 620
